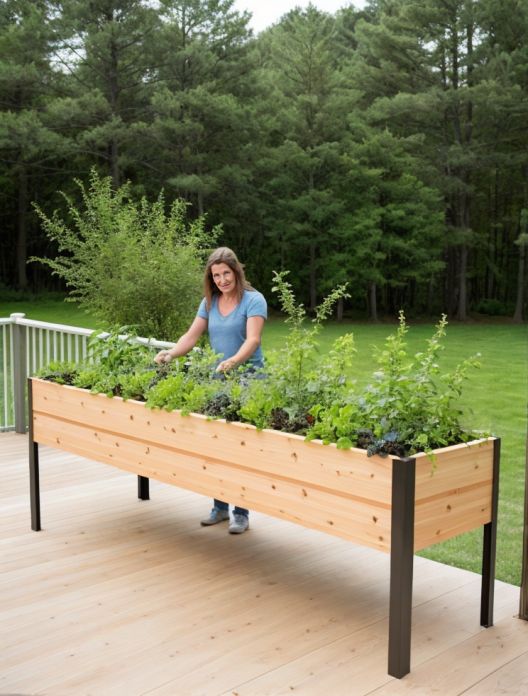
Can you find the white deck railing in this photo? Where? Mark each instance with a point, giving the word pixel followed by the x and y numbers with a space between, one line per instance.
pixel 26 345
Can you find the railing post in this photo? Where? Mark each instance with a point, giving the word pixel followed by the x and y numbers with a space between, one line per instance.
pixel 523 604
pixel 19 372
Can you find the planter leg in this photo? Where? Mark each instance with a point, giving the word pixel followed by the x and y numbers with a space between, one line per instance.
pixel 34 481
pixel 489 547
pixel 34 486
pixel 143 488
pixel 401 566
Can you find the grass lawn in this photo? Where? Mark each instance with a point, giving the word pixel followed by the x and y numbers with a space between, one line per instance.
pixel 495 400
pixel 51 309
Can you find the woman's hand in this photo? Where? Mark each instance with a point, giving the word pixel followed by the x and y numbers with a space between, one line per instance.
pixel 226 365
pixel 164 356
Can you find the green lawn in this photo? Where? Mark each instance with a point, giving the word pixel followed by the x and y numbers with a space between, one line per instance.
pixel 495 401
pixel 50 309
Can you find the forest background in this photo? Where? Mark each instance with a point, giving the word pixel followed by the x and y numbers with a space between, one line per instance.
pixel 387 146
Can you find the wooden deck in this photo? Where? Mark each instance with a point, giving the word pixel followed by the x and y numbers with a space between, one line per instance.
pixel 118 596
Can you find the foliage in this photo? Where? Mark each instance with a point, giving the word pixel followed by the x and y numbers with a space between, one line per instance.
pixel 408 407
pixel 117 365
pixel 300 348
pixel 59 372
pixel 128 262
pixel 494 307
pixel 190 384
pixel 292 381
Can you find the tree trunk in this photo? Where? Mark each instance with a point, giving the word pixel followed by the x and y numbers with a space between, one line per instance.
pixel 492 240
pixel 462 284
pixel 452 287
pixel 519 304
pixel 21 248
pixel 313 288
pixel 523 228
pixel 463 137
pixel 373 306
pixel 430 295
pixel 113 85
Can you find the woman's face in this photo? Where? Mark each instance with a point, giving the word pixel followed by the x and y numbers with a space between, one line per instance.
pixel 223 277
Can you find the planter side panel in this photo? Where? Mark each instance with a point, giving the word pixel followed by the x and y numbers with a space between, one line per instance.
pixel 276 453
pixel 453 495
pixel 363 521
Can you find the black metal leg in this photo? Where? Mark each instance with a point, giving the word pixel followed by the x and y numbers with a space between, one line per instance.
pixel 489 546
pixel 34 486
pixel 143 488
pixel 401 566
pixel 34 482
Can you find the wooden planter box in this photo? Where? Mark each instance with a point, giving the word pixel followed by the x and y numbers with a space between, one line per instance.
pixel 395 505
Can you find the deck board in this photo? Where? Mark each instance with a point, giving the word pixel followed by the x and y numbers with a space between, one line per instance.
pixel 118 596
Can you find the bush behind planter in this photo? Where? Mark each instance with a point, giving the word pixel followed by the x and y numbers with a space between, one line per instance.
pixel 409 406
pixel 127 262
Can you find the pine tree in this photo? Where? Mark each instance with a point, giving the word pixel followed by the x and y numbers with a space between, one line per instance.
pixel 29 144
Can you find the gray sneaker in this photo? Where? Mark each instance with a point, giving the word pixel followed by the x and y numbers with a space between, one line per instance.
pixel 215 516
pixel 239 524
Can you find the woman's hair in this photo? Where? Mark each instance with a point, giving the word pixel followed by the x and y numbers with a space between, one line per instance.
pixel 227 256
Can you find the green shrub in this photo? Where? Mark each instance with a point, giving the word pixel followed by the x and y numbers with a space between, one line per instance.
pixel 494 308
pixel 129 262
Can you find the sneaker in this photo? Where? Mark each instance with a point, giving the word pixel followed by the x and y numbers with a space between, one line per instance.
pixel 239 524
pixel 215 516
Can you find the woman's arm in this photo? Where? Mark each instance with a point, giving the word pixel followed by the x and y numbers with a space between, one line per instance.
pixel 254 328
pixel 185 343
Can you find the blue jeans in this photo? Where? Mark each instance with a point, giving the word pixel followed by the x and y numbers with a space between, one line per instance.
pixel 248 373
pixel 225 506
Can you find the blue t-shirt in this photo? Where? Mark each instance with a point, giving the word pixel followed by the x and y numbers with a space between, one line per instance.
pixel 227 334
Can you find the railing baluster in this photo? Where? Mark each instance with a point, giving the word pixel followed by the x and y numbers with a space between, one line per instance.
pixel 34 336
pixel 5 385
pixel 28 345
pixel 41 348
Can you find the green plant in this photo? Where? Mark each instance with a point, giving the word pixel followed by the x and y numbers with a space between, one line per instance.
pixel 129 262
pixel 59 372
pixel 494 308
pixel 408 406
pixel 118 351
pixel 294 382
pixel 259 402
pixel 190 385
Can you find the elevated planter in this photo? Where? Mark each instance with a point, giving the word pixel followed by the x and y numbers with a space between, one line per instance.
pixel 398 506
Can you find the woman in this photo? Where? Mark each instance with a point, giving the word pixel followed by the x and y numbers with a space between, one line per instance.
pixel 233 314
